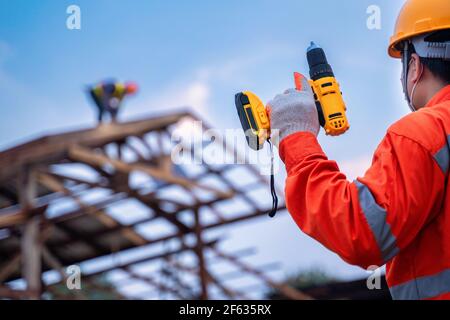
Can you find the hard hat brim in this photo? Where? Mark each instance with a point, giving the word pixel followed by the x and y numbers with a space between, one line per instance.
pixel 395 40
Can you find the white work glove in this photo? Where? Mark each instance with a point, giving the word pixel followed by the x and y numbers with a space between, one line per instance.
pixel 294 111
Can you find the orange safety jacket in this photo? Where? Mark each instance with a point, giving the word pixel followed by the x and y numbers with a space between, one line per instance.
pixel 398 213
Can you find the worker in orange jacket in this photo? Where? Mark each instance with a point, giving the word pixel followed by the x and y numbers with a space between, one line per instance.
pixel 398 213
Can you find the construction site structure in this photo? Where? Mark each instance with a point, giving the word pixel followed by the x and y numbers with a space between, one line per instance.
pixel 71 199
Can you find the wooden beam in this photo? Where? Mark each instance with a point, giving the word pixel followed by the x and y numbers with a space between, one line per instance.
pixel 53 148
pixel 174 274
pixel 12 219
pixel 159 211
pixel 284 289
pixel 213 279
pixel 88 156
pixel 8 293
pixel 178 234
pixel 19 217
pixel 181 249
pixel 10 267
pixel 222 178
pixel 54 184
pixel 150 280
pixel 54 263
pixel 239 159
pixel 97 206
pixel 77 212
pixel 203 273
pixel 30 241
pixel 31 259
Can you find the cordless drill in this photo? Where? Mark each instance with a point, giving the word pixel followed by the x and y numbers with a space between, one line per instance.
pixel 327 94
pixel 329 103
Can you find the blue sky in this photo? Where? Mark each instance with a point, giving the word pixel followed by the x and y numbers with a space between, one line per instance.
pixel 199 54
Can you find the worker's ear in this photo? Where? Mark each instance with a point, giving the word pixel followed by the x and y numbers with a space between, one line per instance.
pixel 415 69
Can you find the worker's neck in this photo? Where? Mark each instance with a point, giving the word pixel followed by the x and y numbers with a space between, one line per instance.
pixel 433 86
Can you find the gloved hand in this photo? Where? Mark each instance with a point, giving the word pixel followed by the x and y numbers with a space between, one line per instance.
pixel 294 111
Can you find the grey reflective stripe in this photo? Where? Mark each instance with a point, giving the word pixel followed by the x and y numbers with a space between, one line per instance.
pixel 442 157
pixel 423 287
pixel 376 218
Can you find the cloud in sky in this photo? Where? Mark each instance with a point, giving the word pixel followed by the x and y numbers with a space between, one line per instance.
pixel 192 91
pixel 194 94
pixel 198 88
pixel 355 167
pixel 197 94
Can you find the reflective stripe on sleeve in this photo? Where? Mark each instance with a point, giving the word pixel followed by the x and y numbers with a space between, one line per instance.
pixel 376 218
pixel 442 157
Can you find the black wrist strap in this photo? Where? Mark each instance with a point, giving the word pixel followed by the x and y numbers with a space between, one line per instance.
pixel 273 211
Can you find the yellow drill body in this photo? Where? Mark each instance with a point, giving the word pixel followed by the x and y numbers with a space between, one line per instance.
pixel 327 94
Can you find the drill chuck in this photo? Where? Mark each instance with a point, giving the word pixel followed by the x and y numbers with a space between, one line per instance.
pixel 318 64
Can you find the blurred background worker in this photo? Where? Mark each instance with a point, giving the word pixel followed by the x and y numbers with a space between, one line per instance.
pixel 399 212
pixel 108 97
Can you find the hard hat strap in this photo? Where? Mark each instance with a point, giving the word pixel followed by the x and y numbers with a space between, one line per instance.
pixel 405 61
pixel 414 90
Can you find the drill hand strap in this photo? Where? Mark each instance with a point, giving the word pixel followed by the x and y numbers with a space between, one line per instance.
pixel 273 211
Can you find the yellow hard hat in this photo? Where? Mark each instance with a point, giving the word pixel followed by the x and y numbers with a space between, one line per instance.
pixel 419 17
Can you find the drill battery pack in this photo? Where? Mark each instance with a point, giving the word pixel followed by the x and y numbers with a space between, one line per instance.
pixel 254 119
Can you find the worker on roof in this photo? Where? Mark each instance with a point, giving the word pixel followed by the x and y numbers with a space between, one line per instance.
pixel 398 213
pixel 108 97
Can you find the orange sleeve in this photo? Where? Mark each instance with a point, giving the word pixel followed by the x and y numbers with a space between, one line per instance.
pixel 367 221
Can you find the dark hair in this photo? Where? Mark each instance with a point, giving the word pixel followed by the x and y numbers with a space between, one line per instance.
pixel 438 67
